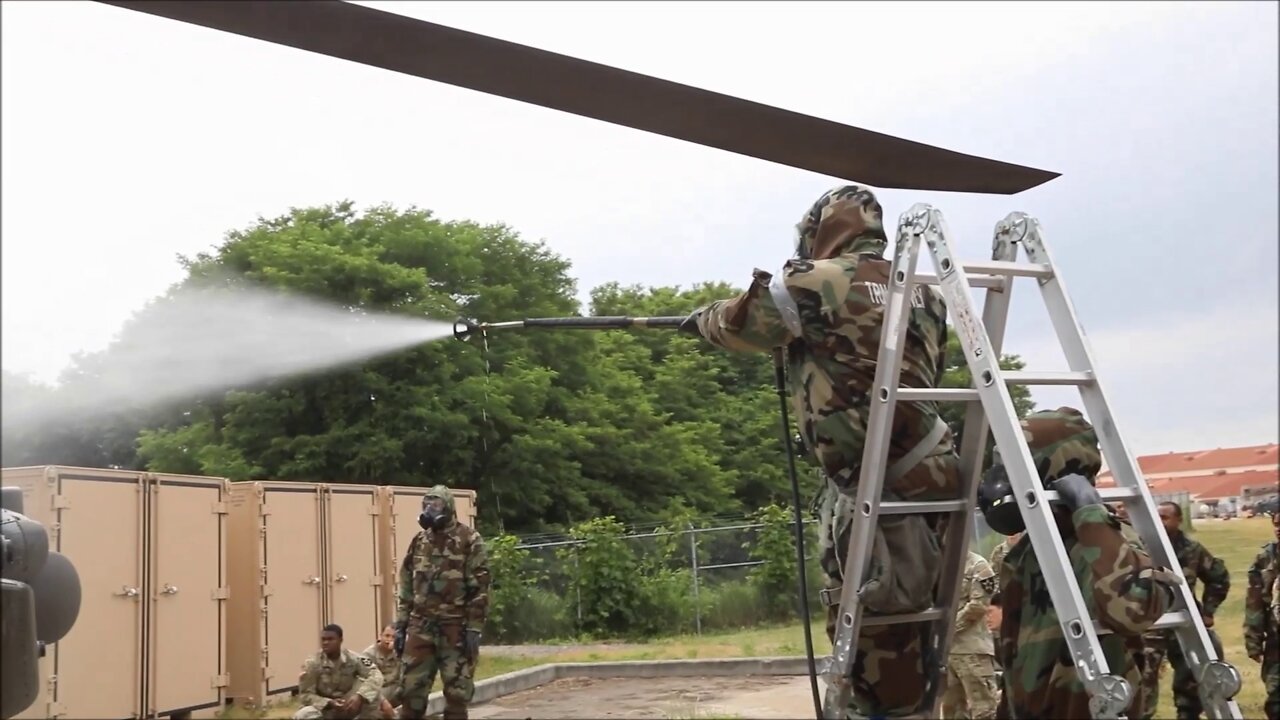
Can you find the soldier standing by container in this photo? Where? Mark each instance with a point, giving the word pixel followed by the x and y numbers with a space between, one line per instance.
pixel 337 684
pixel 383 654
pixel 441 606
pixel 1197 564
pixel 1262 618
pixel 970 668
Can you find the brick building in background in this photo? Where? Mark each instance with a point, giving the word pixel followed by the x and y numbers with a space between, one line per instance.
pixel 1224 479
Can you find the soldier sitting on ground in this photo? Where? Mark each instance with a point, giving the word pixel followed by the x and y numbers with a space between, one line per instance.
pixel 383 654
pixel 337 684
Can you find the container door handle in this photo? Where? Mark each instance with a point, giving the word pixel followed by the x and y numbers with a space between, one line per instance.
pixel 312 580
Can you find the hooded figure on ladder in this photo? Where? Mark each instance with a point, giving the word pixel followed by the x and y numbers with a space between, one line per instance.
pixel 826 308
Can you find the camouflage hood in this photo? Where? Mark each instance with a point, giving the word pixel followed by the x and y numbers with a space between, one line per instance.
pixel 1062 443
pixel 443 492
pixel 845 220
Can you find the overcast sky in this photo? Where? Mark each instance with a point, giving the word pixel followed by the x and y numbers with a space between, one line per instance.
pixel 128 139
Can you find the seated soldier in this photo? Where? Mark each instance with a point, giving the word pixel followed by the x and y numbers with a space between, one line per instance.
pixel 383 654
pixel 337 684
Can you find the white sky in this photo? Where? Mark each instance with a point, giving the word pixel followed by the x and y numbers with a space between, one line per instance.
pixel 128 139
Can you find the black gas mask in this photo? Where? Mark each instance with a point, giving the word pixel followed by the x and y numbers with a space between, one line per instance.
pixel 435 513
pixel 999 506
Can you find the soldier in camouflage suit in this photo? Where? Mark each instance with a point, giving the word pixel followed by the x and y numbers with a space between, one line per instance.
pixel 1197 564
pixel 1126 593
pixel 1262 618
pixel 971 683
pixel 337 684
pixel 826 308
pixel 383 654
pixel 1001 550
pixel 441 606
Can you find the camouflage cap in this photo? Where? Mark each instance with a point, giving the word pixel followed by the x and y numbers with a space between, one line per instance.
pixel 1062 443
pixel 443 492
pixel 841 221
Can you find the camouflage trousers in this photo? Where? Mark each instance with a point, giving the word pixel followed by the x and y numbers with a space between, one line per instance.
pixel 971 687
pixel 439 649
pixel 1271 681
pixel 368 712
pixel 1186 690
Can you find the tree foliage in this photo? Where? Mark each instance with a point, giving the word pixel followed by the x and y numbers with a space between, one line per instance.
pixel 561 427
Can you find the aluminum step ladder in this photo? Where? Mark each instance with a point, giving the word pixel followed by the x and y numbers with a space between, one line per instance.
pixel 991 409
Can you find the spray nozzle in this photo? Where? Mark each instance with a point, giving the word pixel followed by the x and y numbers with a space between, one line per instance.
pixel 463 328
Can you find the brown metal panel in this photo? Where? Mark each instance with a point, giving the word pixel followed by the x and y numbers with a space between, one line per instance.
pixel 100 517
pixel 187 592
pixel 246 606
pixel 292 547
pixel 386 557
pixel 351 517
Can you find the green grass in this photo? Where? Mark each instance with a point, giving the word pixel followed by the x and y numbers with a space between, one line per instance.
pixel 1235 541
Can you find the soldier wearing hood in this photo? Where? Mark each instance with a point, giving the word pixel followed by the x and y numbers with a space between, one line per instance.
pixel 441 605
pixel 1124 590
pixel 827 309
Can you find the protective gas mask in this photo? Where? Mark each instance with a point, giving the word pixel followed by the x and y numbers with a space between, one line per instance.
pixel 434 515
pixel 999 506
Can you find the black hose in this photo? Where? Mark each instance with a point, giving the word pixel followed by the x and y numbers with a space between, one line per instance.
pixel 780 377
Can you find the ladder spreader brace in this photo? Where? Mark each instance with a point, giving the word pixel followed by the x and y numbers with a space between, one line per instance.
pixel 993 410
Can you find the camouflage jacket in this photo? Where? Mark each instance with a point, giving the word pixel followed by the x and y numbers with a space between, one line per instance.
pixel 1121 589
pixel 388 663
pixel 1200 564
pixel 444 578
pixel 324 679
pixel 1262 604
pixel 839 288
pixel 998 554
pixel 971 634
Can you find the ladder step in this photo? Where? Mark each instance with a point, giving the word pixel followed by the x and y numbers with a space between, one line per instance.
pixel 922 506
pixel 1016 269
pixel 978 281
pixel 938 395
pixel 932 613
pixel 1166 621
pixel 1112 493
pixel 1047 378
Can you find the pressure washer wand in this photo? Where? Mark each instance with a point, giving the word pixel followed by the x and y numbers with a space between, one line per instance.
pixel 463 328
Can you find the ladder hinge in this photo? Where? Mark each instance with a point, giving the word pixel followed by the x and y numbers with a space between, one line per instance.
pixel 220 681
pixel 221 593
pixel 60 502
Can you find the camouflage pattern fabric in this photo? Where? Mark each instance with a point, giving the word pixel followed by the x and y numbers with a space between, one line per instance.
pixel 998 553
pixel 389 665
pixel 1262 619
pixel 971 688
pixel 325 680
pixel 838 282
pixel 444 590
pixel 1198 564
pixel 1121 587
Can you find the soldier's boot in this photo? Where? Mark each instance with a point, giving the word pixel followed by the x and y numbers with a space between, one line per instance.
pixel 454 711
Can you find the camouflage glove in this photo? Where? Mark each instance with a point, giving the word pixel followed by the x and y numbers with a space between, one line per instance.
pixel 402 632
pixel 1075 492
pixel 471 644
pixel 690 324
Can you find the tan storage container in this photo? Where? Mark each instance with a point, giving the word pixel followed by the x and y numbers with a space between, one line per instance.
pixel 401 505
pixel 149 552
pixel 352 564
pixel 276 608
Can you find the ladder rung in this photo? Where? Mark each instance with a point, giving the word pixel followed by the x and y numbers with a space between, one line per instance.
pixel 1112 493
pixel 922 506
pixel 1165 621
pixel 1001 267
pixel 931 614
pixel 1047 378
pixel 938 395
pixel 977 281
